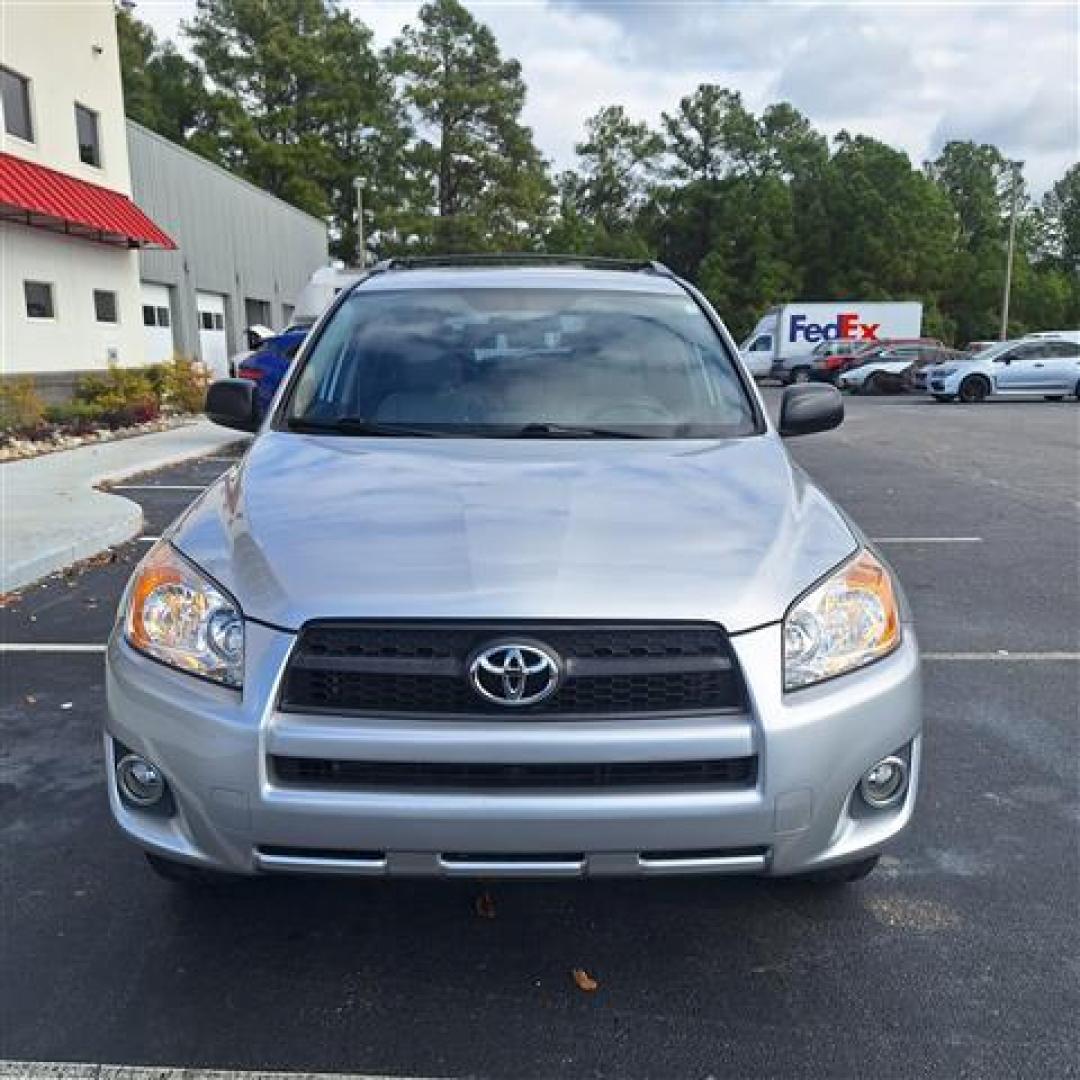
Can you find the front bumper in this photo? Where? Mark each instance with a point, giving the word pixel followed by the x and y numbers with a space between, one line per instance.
pixel 800 814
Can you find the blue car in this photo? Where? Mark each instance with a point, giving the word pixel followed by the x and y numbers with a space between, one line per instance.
pixel 266 366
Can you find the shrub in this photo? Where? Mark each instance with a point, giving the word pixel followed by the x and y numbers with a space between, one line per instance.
pixel 123 395
pixel 183 384
pixel 21 408
pixel 76 417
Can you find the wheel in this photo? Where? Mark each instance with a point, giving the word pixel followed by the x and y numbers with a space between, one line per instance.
pixel 974 388
pixel 191 877
pixel 876 384
pixel 800 375
pixel 944 397
pixel 846 874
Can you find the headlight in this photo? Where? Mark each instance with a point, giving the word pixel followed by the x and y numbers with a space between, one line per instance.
pixel 180 617
pixel 847 621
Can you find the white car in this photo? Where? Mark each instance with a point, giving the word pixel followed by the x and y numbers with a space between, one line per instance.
pixel 1030 367
pixel 888 371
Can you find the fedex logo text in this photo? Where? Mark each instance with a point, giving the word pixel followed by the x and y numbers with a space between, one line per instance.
pixel 846 327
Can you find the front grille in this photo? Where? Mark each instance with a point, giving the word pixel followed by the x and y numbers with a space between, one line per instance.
pixel 449 776
pixel 378 668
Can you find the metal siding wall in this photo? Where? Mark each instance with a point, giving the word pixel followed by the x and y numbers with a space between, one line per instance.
pixel 233 238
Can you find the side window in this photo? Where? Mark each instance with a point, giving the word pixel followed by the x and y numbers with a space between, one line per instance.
pixel 39 300
pixel 15 97
pixel 762 344
pixel 105 308
pixel 1062 348
pixel 86 131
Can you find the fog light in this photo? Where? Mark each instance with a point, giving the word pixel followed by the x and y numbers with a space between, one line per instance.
pixel 885 783
pixel 140 781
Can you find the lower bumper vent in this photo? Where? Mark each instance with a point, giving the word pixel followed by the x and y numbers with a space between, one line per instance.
pixel 450 776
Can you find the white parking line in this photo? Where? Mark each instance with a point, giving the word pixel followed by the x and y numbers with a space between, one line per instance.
pixel 1004 656
pixel 927 539
pixel 55 1070
pixel 146 539
pixel 49 647
pixel 158 487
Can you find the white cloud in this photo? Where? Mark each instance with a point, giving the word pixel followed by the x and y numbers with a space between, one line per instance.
pixel 913 74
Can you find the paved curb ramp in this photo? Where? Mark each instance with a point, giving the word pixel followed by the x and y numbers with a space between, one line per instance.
pixel 52 515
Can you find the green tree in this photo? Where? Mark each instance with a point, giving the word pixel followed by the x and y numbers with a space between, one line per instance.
pixel 1060 214
pixel 300 106
pixel 162 90
pixel 618 159
pixel 481 181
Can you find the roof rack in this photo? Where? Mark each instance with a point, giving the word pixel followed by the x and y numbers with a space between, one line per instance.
pixel 524 258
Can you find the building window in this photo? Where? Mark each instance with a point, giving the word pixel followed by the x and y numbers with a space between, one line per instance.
pixel 15 95
pixel 105 306
pixel 163 316
pixel 148 315
pixel 86 128
pixel 219 321
pixel 39 300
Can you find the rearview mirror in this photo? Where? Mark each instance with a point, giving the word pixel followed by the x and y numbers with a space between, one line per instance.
pixel 232 404
pixel 809 408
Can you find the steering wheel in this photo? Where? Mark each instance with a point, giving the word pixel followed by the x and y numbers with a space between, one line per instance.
pixel 640 410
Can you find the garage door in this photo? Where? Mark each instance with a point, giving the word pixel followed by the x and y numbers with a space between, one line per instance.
pixel 157 323
pixel 213 344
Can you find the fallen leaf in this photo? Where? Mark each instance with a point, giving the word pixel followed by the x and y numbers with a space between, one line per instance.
pixel 485 906
pixel 583 980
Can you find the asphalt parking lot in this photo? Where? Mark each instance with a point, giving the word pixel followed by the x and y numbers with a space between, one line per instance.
pixel 958 957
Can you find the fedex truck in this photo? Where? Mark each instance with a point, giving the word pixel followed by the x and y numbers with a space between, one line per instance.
pixel 782 344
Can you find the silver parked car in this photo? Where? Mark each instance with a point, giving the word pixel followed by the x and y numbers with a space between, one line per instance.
pixel 516 579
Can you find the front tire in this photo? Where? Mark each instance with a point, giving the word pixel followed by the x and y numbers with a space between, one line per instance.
pixel 800 375
pixel 974 389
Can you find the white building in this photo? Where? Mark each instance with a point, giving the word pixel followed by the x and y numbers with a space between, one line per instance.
pixel 88 278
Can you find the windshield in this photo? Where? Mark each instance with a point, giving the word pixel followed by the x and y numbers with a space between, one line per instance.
pixel 516 362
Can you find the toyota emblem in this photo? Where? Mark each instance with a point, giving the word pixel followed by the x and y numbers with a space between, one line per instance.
pixel 512 673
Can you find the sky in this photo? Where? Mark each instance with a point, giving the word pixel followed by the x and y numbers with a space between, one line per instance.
pixel 913 74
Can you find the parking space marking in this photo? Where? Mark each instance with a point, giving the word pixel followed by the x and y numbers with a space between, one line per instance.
pixel 1005 657
pixel 158 487
pixel 927 539
pixel 60 1070
pixel 146 539
pixel 49 647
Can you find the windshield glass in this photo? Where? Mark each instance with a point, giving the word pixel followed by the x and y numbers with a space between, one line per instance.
pixel 494 362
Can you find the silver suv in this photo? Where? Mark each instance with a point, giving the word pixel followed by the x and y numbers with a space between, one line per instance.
pixel 516 579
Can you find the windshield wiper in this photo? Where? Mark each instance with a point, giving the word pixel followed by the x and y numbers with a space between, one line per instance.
pixel 358 425
pixel 573 431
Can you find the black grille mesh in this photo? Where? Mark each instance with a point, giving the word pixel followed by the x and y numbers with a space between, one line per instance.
pixel 420 668
pixel 731 772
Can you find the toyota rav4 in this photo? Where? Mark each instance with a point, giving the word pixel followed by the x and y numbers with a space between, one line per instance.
pixel 515 579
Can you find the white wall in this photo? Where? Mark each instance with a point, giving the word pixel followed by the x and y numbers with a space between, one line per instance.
pixel 74 340
pixel 55 43
pixel 68 51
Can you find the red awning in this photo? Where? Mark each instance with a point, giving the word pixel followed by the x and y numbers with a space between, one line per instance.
pixel 34 195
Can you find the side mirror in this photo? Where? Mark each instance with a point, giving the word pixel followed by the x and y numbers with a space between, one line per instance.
pixel 232 404
pixel 809 408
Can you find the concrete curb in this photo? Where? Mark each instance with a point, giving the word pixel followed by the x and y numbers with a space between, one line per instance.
pixel 52 514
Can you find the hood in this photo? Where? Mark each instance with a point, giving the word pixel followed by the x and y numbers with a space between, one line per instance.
pixel 312 526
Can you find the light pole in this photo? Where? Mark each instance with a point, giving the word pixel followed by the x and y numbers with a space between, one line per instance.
pixel 361 252
pixel 1016 165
